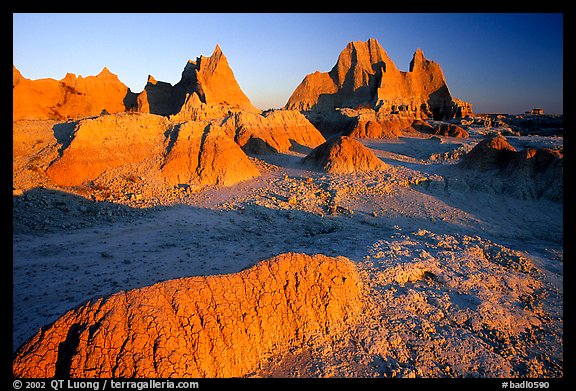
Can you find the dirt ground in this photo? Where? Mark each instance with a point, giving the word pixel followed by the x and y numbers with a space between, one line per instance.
pixel 463 281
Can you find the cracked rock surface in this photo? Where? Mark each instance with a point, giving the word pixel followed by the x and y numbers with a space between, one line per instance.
pixel 215 326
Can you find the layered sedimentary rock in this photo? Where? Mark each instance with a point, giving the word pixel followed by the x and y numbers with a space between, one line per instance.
pixel 190 152
pixel 528 174
pixel 216 326
pixel 209 78
pixel 273 131
pixel 71 97
pixel 202 153
pixel 365 77
pixel 343 155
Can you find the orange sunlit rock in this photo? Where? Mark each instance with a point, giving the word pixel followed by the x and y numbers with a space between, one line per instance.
pixel 364 76
pixel 205 154
pixel 217 326
pixel 191 152
pixel 344 155
pixel 209 80
pixel 71 97
pixel 274 131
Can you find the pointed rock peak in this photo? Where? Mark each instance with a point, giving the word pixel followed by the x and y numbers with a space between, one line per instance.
pixel 70 77
pixel 217 52
pixel 105 72
pixel 151 79
pixel 417 59
pixel 419 53
pixel 374 44
pixel 193 100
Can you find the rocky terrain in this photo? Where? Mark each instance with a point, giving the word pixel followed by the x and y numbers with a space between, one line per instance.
pixel 194 235
pixel 217 326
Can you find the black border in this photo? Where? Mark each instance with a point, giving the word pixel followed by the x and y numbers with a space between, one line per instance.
pixel 408 6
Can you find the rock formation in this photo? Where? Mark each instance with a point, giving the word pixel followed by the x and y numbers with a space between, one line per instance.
pixel 210 79
pixel 72 97
pixel 440 129
pixel 364 77
pixel 343 155
pixel 366 123
pixel 463 109
pixel 106 142
pixel 490 153
pixel 204 154
pixel 216 326
pixel 191 152
pixel 540 171
pixel 273 131
pixel 526 174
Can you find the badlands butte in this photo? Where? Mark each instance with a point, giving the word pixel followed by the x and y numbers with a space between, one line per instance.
pixel 373 227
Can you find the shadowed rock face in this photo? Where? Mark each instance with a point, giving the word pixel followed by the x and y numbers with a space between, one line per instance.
pixel 217 326
pixel 527 174
pixel 71 97
pixel 343 155
pixel 489 153
pixel 364 76
pixel 443 129
pixel 387 128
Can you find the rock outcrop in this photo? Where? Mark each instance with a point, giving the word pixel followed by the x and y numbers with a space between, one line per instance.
pixel 71 97
pixel 273 131
pixel 204 154
pixel 343 155
pixel 190 152
pixel 490 153
pixel 216 326
pixel 366 123
pixel 440 129
pixel 526 174
pixel 106 142
pixel 210 79
pixel 364 76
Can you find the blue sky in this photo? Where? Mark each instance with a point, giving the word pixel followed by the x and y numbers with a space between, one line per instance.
pixel 498 62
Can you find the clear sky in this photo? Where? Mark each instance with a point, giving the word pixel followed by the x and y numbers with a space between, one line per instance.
pixel 498 62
